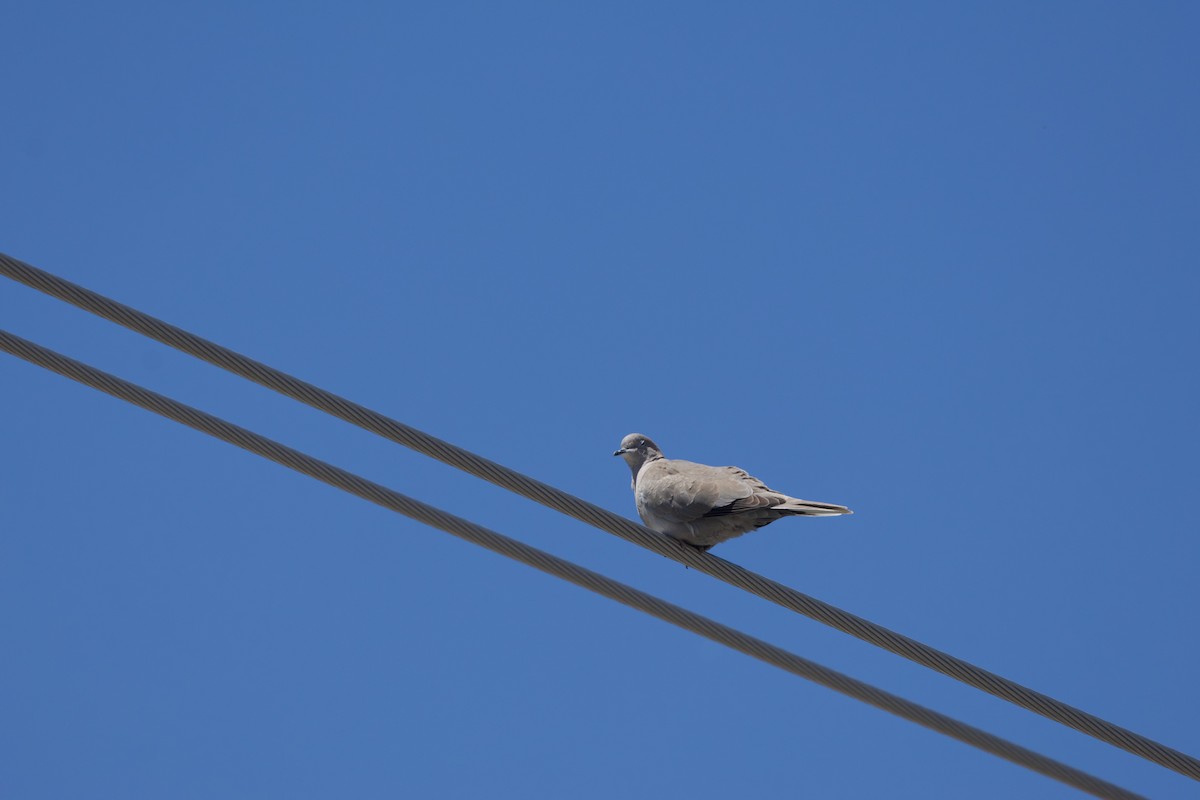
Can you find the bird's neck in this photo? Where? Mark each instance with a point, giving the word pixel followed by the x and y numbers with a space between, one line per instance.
pixel 636 469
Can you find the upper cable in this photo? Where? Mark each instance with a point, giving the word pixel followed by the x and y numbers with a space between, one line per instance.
pixel 603 519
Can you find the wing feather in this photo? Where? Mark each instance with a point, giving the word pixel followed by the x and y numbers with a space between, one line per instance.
pixel 685 491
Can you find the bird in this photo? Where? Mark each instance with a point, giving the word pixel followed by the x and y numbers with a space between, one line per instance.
pixel 704 505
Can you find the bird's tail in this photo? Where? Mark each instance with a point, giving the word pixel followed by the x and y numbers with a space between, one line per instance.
pixel 808 508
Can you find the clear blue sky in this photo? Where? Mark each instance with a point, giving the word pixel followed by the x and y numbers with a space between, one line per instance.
pixel 936 262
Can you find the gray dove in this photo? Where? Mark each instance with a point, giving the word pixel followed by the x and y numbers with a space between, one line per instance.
pixel 704 505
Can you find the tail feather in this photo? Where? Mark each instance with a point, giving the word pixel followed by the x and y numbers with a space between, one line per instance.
pixel 808 508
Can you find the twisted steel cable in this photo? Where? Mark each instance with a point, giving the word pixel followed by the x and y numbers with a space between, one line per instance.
pixel 603 519
pixel 561 568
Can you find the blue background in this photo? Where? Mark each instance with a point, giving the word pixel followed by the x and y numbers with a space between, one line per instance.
pixel 934 261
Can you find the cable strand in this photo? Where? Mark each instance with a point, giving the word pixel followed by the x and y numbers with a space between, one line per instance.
pixel 561 568
pixel 603 519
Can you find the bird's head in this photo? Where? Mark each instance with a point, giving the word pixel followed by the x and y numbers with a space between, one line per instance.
pixel 637 449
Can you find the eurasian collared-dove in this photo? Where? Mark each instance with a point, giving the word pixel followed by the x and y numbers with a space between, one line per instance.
pixel 704 505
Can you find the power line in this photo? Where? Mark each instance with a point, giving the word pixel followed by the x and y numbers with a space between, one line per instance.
pixel 561 568
pixel 570 505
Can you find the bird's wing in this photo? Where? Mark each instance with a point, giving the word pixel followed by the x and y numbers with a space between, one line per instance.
pixel 685 491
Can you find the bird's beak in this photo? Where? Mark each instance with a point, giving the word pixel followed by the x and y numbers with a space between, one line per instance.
pixel 621 452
